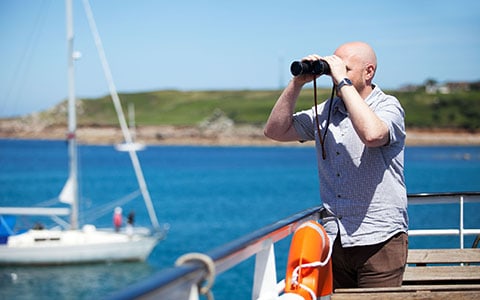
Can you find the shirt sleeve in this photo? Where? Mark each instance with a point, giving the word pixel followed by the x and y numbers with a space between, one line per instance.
pixel 303 122
pixel 391 112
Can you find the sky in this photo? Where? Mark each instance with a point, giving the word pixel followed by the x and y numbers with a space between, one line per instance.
pixel 216 45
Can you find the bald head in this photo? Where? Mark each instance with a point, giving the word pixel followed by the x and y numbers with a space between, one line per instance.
pixel 360 51
pixel 361 54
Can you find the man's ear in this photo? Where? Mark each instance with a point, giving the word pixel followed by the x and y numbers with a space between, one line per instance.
pixel 370 72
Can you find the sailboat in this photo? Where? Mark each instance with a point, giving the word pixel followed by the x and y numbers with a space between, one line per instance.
pixel 74 244
pixel 132 145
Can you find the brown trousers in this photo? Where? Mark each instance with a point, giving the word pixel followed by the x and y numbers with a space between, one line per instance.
pixel 380 265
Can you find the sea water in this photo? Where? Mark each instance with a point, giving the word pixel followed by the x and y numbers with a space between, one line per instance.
pixel 208 196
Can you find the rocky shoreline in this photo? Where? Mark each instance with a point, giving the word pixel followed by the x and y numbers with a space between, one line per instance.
pixel 216 133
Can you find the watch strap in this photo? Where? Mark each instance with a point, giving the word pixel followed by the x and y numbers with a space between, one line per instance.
pixel 345 81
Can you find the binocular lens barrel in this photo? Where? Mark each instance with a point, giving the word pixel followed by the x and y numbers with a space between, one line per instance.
pixel 317 67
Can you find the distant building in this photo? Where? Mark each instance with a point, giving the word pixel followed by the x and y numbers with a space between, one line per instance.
pixel 458 86
pixel 436 88
pixel 408 88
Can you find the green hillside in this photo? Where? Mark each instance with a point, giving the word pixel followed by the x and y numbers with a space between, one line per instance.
pixel 189 108
pixel 459 110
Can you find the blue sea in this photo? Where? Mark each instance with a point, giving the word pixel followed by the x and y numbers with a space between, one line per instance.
pixel 208 195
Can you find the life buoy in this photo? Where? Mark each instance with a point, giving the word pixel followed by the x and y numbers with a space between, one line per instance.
pixel 309 267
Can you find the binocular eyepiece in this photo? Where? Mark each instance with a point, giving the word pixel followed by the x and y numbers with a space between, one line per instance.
pixel 316 67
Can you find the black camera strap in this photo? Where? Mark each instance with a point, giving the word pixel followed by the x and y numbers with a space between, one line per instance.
pixel 319 131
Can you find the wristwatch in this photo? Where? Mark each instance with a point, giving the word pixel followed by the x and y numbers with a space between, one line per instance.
pixel 345 81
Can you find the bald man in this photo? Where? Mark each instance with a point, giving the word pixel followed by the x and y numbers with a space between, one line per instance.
pixel 360 140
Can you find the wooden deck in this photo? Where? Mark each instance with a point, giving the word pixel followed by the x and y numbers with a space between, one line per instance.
pixel 430 274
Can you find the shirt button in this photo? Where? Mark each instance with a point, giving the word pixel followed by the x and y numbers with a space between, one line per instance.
pixel 338 174
pixel 339 196
pixel 338 153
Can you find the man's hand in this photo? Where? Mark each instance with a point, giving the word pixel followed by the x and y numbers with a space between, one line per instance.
pixel 338 69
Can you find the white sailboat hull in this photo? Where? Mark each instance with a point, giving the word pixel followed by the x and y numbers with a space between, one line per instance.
pixel 51 247
pixel 125 147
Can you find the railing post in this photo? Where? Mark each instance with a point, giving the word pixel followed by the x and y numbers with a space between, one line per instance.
pixel 265 276
pixel 194 293
pixel 461 222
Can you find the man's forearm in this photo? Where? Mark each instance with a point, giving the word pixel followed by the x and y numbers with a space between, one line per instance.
pixel 372 131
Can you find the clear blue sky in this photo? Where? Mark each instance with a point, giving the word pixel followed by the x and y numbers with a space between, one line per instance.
pixel 247 44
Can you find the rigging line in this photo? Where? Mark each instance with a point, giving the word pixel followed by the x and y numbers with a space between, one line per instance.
pixel 49 202
pixel 5 226
pixel 98 212
pixel 59 221
pixel 121 117
pixel 21 72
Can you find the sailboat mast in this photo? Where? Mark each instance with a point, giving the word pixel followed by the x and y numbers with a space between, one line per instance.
pixel 72 119
pixel 131 118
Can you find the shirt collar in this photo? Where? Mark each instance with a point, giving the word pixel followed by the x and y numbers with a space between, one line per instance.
pixel 373 95
pixel 338 104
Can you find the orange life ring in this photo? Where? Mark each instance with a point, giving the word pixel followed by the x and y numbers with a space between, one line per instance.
pixel 309 268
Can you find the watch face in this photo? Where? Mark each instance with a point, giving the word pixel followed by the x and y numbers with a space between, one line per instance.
pixel 348 81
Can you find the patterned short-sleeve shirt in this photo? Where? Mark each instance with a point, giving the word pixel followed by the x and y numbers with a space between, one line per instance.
pixel 364 187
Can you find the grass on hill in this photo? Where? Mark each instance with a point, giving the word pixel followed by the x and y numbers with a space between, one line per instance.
pixel 190 108
pixel 457 110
